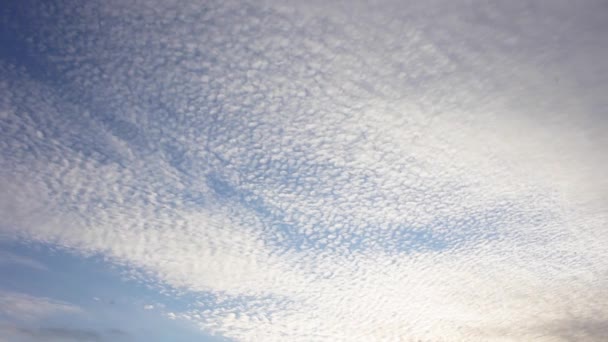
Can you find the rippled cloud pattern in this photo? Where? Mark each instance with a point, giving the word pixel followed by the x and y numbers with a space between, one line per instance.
pixel 321 171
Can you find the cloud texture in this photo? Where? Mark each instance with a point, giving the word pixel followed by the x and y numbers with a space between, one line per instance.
pixel 317 172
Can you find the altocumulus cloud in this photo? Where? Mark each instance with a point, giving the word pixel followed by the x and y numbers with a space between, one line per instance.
pixel 340 172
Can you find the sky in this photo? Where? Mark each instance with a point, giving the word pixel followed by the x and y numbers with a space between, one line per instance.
pixel 267 170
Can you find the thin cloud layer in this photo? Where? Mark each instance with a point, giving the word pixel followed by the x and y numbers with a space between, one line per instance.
pixel 24 307
pixel 322 172
pixel 8 258
pixel 58 334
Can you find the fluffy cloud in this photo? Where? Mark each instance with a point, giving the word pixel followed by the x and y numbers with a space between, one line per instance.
pixel 323 172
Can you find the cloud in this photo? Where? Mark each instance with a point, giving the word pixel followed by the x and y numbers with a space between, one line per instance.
pixel 331 172
pixel 578 329
pixel 60 334
pixel 22 316
pixel 575 329
pixel 19 260
pixel 24 307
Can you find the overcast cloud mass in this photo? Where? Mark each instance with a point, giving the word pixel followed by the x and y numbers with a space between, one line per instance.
pixel 312 171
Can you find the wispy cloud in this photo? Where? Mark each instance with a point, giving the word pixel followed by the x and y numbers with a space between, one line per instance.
pixel 9 258
pixel 60 334
pixel 24 307
pixel 328 172
pixel 23 318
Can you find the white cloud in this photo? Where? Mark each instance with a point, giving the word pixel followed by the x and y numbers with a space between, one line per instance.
pixel 327 173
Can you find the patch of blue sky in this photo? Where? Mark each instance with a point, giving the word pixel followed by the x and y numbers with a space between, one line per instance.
pixel 441 234
pixel 109 298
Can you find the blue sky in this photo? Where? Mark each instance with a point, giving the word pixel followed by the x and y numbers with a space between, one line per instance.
pixel 320 171
pixel 106 305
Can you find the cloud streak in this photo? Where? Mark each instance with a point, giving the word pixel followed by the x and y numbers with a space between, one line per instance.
pixel 8 258
pixel 60 334
pixel 23 307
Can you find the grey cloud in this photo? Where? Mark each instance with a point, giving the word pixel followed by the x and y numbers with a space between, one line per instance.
pixel 62 334
pixel 578 329
pixel 568 329
pixel 58 334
